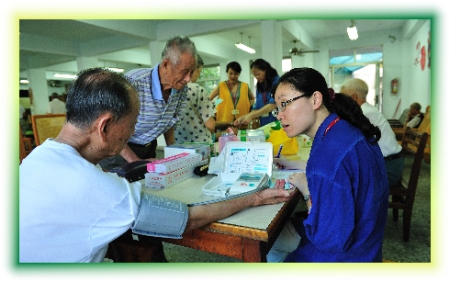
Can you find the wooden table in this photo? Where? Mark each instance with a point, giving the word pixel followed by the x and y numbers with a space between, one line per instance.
pixel 247 235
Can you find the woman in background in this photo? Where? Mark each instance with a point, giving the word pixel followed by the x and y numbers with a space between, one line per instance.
pixel 345 185
pixel 267 78
pixel 234 97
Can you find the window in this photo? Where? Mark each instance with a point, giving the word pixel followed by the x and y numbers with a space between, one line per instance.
pixel 209 78
pixel 286 65
pixel 364 63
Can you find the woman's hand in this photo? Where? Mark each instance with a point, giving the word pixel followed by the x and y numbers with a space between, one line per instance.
pixel 285 163
pixel 298 179
pixel 243 120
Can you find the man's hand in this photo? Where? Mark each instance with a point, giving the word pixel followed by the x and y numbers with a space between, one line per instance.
pixel 271 196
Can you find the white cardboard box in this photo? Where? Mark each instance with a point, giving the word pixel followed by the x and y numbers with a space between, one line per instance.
pixel 159 180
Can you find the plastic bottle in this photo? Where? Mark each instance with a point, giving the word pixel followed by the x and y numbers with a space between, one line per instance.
pixel 256 135
pixel 242 135
pixel 225 138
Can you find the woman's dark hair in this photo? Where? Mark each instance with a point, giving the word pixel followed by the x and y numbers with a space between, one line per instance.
pixel 308 80
pixel 96 91
pixel 200 62
pixel 271 73
pixel 234 66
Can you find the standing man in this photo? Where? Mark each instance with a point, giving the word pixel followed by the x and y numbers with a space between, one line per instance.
pixel 56 106
pixel 393 158
pixel 162 92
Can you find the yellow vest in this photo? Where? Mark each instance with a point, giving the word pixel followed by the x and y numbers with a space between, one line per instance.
pixel 223 110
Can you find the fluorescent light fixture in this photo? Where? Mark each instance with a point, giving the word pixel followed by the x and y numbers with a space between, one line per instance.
pixel 116 69
pixel 245 48
pixel 352 31
pixel 64 75
pixel 24 81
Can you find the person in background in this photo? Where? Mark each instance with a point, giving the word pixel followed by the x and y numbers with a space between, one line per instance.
pixel 22 121
pixel 56 106
pixel 197 122
pixel 234 97
pixel 390 148
pixel 345 185
pixel 70 208
pixel 162 92
pixel 414 117
pixel 267 78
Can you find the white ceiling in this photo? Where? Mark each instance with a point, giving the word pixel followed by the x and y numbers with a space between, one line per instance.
pixel 55 44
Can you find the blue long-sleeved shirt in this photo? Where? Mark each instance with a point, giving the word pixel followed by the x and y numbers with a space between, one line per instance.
pixel 349 192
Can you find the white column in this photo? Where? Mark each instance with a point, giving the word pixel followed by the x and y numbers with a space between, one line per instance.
pixel 245 73
pixel 39 87
pixel 155 53
pixel 272 50
pixel 87 62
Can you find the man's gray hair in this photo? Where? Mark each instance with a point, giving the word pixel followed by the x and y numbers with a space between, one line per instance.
pixel 176 46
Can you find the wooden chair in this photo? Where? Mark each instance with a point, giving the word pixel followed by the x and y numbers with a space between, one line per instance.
pixel 403 193
pixel 25 146
pixel 46 126
pixel 131 247
pixel 399 123
pixel 425 126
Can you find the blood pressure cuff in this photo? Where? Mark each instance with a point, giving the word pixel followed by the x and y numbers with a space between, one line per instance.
pixel 160 217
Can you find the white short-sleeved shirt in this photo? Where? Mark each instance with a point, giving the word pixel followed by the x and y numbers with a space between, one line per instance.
pixel 388 142
pixel 70 209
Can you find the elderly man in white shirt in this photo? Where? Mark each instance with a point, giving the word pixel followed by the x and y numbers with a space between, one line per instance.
pixel 414 117
pixel 56 106
pixel 393 158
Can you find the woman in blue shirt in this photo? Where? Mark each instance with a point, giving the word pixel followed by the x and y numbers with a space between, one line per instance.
pixel 345 185
pixel 267 77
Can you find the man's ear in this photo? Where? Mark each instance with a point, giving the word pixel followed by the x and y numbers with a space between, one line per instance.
pixel 104 124
pixel 165 63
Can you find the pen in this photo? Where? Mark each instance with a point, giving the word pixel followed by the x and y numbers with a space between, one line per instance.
pixel 279 151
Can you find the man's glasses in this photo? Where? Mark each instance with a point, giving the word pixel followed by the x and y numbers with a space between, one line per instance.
pixel 276 111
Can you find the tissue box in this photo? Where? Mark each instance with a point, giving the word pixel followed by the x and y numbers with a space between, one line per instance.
pixel 202 149
pixel 160 180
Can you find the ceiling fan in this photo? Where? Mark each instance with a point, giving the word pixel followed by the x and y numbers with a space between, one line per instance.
pixel 298 52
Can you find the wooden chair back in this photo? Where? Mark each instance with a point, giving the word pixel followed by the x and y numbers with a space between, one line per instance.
pixel 426 121
pixel 399 123
pixel 404 192
pixel 47 126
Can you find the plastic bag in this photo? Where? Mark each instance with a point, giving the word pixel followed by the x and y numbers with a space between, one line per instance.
pixel 278 138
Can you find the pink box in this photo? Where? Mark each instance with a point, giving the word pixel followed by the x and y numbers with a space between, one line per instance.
pixel 174 162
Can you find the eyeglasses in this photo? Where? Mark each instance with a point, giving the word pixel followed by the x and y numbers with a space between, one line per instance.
pixel 276 111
